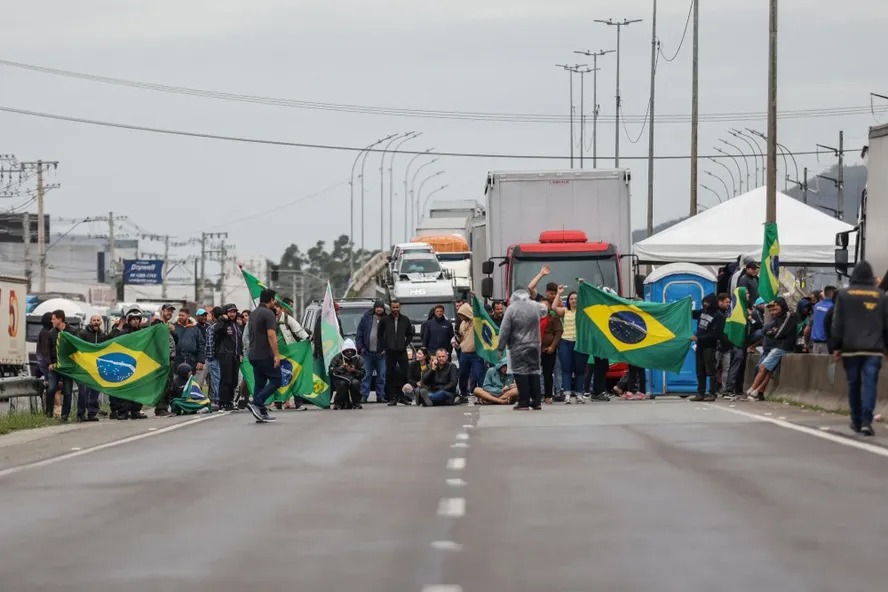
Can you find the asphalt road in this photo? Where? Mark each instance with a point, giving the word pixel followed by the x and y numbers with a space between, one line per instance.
pixel 621 496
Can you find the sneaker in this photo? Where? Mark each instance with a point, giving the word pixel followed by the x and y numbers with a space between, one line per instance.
pixel 138 415
pixel 521 408
pixel 581 399
pixel 254 411
pixel 696 398
pixel 161 412
pixel 602 397
pixel 855 428
pixel 709 398
pixel 266 417
pixel 393 403
pixel 122 416
pixel 357 406
pixel 537 407
pixel 567 400
pixel 90 418
pixel 867 430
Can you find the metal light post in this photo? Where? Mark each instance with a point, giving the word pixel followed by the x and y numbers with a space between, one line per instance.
pixel 745 161
pixel 737 163
pixel 570 73
pixel 619 26
pixel 596 106
pixel 363 168
pixel 419 191
pixel 730 173
pixel 351 224
pixel 722 181
pixel 433 192
pixel 411 136
pixel 382 187
pixel 753 147
pixel 414 206
pixel 408 204
pixel 714 192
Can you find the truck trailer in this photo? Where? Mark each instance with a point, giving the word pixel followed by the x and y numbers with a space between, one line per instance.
pixel 576 221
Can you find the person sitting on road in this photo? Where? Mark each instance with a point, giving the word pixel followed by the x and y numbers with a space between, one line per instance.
pixel 438 385
pixel 499 386
pixel 346 372
pixel 418 366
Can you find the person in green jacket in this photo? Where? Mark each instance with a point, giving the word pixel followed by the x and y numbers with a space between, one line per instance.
pixel 498 387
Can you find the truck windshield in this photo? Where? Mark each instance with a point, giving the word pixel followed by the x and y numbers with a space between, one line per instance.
pixel 418 312
pixel 417 265
pixel 598 272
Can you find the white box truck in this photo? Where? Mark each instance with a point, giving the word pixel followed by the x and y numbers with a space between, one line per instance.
pixel 577 221
pixel 441 226
pixel 13 349
pixel 871 242
pixel 455 208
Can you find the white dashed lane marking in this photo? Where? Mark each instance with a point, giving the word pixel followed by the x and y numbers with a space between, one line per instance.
pixel 456 464
pixel 452 507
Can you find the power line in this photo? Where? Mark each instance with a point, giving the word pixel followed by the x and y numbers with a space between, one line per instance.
pixel 683 36
pixel 431 113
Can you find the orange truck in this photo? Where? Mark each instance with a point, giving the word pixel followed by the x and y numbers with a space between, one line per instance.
pixel 455 256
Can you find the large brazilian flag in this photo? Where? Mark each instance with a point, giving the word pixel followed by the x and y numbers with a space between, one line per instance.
pixel 644 334
pixel 134 367
pixel 296 372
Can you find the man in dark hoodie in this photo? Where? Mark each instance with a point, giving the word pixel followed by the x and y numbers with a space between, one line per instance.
pixel 779 337
pixel 710 330
pixel 372 351
pixel 858 338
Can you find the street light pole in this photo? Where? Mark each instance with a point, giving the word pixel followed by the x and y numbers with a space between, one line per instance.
pixel 419 191
pixel 722 181
pixel 753 147
pixel 411 136
pixel 619 26
pixel 597 107
pixel 570 70
pixel 730 173
pixel 433 192
pixel 351 224
pixel 736 163
pixel 414 206
pixel 408 204
pixel 363 168
pixel 745 162
pixel 382 188
pixel 714 192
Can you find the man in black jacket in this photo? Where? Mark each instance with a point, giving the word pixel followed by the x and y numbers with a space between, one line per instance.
pixel 88 398
pixel 397 333
pixel 710 330
pixel 346 372
pixel 59 324
pixel 437 332
pixel 438 386
pixel 859 336
pixel 228 345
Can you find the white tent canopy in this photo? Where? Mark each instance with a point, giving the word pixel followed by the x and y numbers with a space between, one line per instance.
pixel 736 227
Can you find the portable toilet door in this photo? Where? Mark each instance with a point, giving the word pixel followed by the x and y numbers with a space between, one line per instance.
pixel 670 283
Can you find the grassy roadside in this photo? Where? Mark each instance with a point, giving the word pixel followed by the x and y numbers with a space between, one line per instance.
pixel 24 420
pixel 798 405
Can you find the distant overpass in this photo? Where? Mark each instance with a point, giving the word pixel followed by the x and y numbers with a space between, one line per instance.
pixel 363 282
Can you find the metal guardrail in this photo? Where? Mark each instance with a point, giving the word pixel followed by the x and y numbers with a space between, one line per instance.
pixel 20 386
pixel 367 273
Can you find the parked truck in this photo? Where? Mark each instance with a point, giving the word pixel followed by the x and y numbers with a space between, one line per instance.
pixel 868 240
pixel 438 226
pixel 13 350
pixel 576 221
pixel 456 208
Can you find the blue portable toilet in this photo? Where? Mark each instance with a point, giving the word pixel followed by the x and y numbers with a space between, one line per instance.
pixel 669 283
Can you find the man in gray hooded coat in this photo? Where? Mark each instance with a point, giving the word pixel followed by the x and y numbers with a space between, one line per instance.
pixel 520 335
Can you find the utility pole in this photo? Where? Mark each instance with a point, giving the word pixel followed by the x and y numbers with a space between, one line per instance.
pixel 803 185
pixel 771 210
pixel 650 204
pixel 204 253
pixel 619 26
pixel 40 167
pixel 570 73
pixel 26 234
pixel 695 107
pixel 582 74
pixel 163 272
pixel 112 261
pixel 840 175
pixel 595 56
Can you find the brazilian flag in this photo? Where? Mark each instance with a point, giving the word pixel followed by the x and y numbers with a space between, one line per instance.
pixel 644 334
pixel 255 286
pixel 735 325
pixel 134 367
pixel 321 392
pixel 486 333
pixel 296 374
pixel 769 284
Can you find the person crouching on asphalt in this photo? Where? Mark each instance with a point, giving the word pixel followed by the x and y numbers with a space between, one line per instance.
pixel 438 385
pixel 346 372
pixel 710 329
pixel 499 386
pixel 779 338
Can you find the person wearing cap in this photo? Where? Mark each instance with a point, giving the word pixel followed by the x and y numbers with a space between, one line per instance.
pixel 122 409
pixel 228 346
pixel 748 278
pixel 212 367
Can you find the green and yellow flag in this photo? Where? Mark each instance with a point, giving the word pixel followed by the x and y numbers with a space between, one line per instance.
pixel 769 285
pixel 321 393
pixel 255 286
pixel 735 325
pixel 296 372
pixel 644 334
pixel 486 333
pixel 134 367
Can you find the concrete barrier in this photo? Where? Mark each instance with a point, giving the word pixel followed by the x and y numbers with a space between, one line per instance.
pixel 805 379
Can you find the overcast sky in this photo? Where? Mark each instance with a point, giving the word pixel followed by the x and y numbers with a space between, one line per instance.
pixel 482 56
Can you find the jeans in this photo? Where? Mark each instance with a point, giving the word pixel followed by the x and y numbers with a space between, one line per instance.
pixel 87 401
pixel 441 398
pixel 268 379
pixel 573 367
pixel 215 374
pixel 373 361
pixel 471 367
pixel 863 378
pixel 556 372
pixel 723 361
pixel 735 374
pixel 55 379
pixel 528 390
